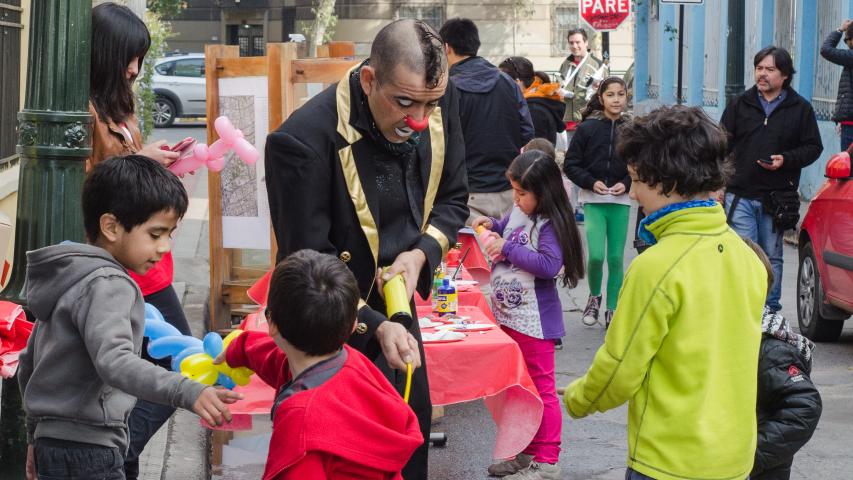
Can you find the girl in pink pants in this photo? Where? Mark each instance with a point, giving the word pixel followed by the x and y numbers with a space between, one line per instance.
pixel 536 240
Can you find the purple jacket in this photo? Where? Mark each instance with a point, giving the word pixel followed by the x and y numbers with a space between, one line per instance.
pixel 544 264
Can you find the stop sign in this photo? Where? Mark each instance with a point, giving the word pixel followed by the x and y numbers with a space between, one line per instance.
pixel 605 14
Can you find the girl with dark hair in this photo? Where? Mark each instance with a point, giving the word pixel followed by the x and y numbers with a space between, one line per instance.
pixel 593 164
pixel 542 95
pixel 119 43
pixel 536 239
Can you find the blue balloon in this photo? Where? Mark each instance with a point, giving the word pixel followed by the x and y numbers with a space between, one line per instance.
pixel 169 346
pixel 158 329
pixel 212 344
pixel 225 381
pixel 177 359
pixel 151 313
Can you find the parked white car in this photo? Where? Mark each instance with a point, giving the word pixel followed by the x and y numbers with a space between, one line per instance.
pixel 179 87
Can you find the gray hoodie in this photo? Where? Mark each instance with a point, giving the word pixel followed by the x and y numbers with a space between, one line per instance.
pixel 81 371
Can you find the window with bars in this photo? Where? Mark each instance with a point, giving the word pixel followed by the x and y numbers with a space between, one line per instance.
pixel 433 15
pixel 564 18
pixel 827 74
pixel 711 82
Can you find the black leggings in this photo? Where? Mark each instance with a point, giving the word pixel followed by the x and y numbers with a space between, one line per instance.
pixel 147 417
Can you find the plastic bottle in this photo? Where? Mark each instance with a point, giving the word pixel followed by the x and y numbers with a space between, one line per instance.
pixel 453 297
pixel 486 238
pixel 446 295
pixel 438 276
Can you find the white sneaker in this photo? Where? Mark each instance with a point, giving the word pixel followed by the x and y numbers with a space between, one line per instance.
pixel 538 471
pixel 590 313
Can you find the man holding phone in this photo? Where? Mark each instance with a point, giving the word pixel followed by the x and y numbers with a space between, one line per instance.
pixel 773 135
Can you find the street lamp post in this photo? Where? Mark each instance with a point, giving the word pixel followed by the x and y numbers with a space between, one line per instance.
pixel 54 140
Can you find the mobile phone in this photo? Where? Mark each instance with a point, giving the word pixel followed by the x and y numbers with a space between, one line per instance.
pixel 185 146
pixel 766 160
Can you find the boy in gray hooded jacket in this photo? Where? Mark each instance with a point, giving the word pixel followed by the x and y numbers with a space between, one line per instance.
pixel 81 372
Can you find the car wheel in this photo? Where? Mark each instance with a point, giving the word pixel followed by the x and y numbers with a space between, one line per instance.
pixel 809 298
pixel 164 112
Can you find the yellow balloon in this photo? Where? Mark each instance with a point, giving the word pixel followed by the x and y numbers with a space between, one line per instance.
pixel 199 367
pixel 231 336
pixel 239 375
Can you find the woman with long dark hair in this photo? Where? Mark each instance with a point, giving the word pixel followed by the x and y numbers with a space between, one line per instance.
pixel 119 43
pixel 536 239
pixel 593 164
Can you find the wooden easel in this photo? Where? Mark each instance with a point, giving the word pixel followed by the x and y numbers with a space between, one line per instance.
pixel 287 77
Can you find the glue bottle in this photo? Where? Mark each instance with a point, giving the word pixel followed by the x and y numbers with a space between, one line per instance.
pixel 447 298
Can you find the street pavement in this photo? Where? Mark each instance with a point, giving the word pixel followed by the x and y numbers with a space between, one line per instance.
pixel 593 448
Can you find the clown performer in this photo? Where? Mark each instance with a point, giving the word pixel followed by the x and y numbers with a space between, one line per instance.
pixel 372 170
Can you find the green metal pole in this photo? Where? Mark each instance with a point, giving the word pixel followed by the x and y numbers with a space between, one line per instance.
pixel 54 140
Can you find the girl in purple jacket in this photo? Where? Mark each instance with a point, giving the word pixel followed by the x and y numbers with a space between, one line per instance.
pixel 536 240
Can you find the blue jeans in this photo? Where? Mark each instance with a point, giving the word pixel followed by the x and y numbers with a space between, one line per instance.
pixel 846 136
pixel 635 475
pixel 750 221
pixel 67 460
pixel 147 417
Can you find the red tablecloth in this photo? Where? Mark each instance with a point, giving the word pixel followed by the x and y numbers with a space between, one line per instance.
pixel 486 365
pixel 469 295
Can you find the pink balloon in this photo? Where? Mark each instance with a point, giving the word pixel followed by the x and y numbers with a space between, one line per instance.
pixel 230 138
pixel 246 151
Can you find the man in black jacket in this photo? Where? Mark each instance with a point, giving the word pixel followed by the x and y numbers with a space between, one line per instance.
pixel 773 135
pixel 495 120
pixel 843 115
pixel 372 170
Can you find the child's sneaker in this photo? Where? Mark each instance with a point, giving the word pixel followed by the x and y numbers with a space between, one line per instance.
pixel 538 471
pixel 558 344
pixel 608 316
pixel 508 467
pixel 590 313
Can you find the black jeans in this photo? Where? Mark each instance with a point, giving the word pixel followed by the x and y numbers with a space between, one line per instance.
pixel 147 417
pixel 66 460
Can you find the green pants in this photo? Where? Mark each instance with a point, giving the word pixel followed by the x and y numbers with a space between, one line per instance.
pixel 606 231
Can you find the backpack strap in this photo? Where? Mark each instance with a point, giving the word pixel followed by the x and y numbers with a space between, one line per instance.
pixel 731 210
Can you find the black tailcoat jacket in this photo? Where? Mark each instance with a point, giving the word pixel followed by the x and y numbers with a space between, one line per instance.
pixel 321 182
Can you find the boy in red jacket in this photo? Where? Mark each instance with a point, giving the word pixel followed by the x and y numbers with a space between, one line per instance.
pixel 335 415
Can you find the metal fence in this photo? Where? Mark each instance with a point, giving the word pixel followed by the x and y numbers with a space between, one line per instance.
pixel 713 50
pixel 785 30
pixel 829 16
pixel 655 46
pixel 10 64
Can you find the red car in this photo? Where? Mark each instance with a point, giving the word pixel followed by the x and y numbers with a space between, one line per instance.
pixel 825 276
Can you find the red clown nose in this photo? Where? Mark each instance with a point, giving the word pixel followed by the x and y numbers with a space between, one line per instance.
pixel 415 125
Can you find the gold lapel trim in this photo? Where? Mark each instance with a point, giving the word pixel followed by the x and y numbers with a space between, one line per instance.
pixel 359 201
pixel 342 99
pixel 439 237
pixel 356 190
pixel 436 140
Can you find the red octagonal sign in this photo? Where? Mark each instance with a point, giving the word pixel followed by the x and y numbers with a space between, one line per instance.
pixel 605 14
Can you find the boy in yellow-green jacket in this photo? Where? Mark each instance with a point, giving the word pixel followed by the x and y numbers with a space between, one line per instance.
pixel 682 349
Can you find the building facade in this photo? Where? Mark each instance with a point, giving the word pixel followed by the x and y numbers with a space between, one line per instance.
pixel 533 28
pixel 799 26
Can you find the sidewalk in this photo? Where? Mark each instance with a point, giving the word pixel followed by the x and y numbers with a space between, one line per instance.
pixel 180 448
